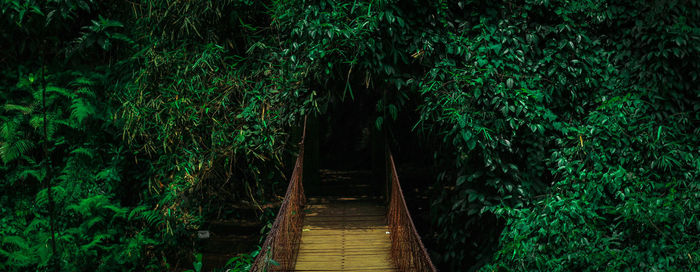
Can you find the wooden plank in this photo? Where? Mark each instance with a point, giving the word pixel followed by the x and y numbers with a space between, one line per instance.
pixel 345 236
pixel 332 218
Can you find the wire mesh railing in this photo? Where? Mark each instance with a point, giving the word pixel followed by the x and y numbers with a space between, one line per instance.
pixel 407 249
pixel 279 251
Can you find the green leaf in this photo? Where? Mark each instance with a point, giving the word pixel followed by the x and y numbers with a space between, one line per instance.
pixel 461 179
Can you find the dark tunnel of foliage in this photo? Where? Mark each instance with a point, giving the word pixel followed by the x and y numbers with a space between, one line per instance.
pixel 566 132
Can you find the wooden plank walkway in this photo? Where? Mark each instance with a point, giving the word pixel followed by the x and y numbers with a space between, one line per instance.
pixel 345 235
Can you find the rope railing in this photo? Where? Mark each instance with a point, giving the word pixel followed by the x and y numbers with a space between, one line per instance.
pixel 407 249
pixel 279 251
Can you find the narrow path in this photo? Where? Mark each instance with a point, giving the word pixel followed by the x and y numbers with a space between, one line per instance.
pixel 345 234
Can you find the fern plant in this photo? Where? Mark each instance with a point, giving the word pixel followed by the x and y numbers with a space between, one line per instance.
pixel 91 224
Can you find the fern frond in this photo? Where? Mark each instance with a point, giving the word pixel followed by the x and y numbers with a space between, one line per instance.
pixel 138 211
pixel 21 258
pixel 108 174
pixel 52 120
pixel 72 232
pixel 59 193
pixel 17 241
pixel 89 203
pixel 37 223
pixel 23 109
pixel 95 241
pixel 25 173
pixel 118 212
pixel 84 151
pixel 10 151
pixel 42 197
pixel 69 238
pixel 83 81
pixel 57 90
pixel 81 109
pixel 85 92
pixel 92 221
pixel 153 217
pixel 9 129
pixel 36 121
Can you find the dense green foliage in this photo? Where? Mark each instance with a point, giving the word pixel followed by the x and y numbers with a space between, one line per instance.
pixel 566 132
pixel 150 125
pixel 577 124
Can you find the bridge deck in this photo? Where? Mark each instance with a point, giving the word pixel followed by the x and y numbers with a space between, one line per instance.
pixel 345 235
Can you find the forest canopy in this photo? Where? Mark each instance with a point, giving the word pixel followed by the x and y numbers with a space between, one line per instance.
pixel 565 133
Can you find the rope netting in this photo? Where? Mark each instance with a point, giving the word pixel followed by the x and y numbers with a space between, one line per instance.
pixel 407 249
pixel 279 251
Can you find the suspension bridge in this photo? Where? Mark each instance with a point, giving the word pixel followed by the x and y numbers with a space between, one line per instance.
pixel 342 233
